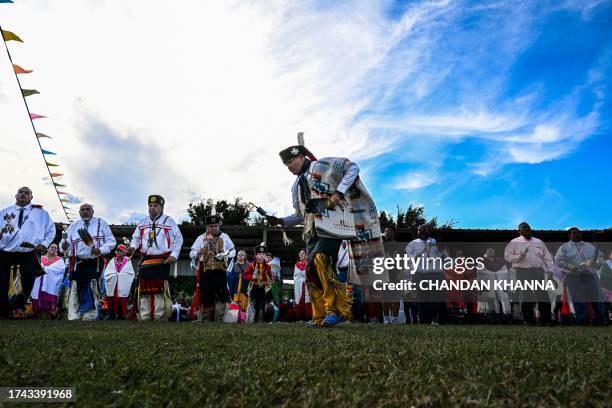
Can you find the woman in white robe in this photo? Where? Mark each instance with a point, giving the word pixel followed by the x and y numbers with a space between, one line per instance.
pixel 118 276
pixel 46 289
pixel 494 301
pixel 303 307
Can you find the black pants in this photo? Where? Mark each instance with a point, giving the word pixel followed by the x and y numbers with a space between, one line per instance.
pixel 411 311
pixel 431 304
pixel 213 287
pixel 29 268
pixel 86 269
pixel 529 298
pixel 259 297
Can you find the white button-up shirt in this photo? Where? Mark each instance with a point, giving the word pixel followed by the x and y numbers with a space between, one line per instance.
pixel 228 246
pixel 36 228
pixel 536 254
pixel 168 237
pixel 99 230
pixel 427 249
pixel 581 254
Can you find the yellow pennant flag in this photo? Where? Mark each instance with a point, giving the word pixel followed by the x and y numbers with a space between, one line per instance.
pixel 10 36
pixel 51 164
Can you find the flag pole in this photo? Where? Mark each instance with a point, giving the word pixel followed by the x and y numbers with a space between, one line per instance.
pixel 33 128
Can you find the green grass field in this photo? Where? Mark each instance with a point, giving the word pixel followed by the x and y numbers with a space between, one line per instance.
pixel 154 364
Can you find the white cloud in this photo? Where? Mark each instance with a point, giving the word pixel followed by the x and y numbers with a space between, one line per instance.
pixel 541 134
pixel 195 100
pixel 534 154
pixel 463 123
pixel 217 88
pixel 415 181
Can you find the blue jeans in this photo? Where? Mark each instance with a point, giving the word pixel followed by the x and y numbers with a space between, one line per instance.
pixel 584 288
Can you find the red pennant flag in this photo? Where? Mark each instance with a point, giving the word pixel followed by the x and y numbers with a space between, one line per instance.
pixel 61 192
pixel 56 174
pixel 19 70
pixel 36 116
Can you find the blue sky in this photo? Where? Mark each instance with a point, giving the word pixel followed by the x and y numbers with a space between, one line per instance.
pixel 541 64
pixel 486 113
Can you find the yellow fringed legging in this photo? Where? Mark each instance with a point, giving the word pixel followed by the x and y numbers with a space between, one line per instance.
pixel 333 296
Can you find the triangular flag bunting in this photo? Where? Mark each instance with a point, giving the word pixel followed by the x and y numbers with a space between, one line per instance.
pixel 36 116
pixel 51 164
pixel 47 152
pixel 29 92
pixel 61 192
pixel 6 1
pixel 56 174
pixel 42 135
pixel 19 70
pixel 58 185
pixel 10 36
pixel 66 208
pixel 63 200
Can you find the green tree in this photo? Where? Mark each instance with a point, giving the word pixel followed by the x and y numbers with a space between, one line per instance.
pixel 233 213
pixel 385 220
pixel 411 218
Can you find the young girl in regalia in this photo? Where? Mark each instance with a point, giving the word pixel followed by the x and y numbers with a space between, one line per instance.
pixel 259 274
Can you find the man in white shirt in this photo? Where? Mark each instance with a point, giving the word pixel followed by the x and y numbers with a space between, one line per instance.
pixel 26 230
pixel 579 261
pixel 532 262
pixel 158 240
pixel 87 241
pixel 212 251
pixel 431 304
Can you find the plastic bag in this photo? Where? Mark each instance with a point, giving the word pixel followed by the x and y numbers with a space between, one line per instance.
pixel 250 313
